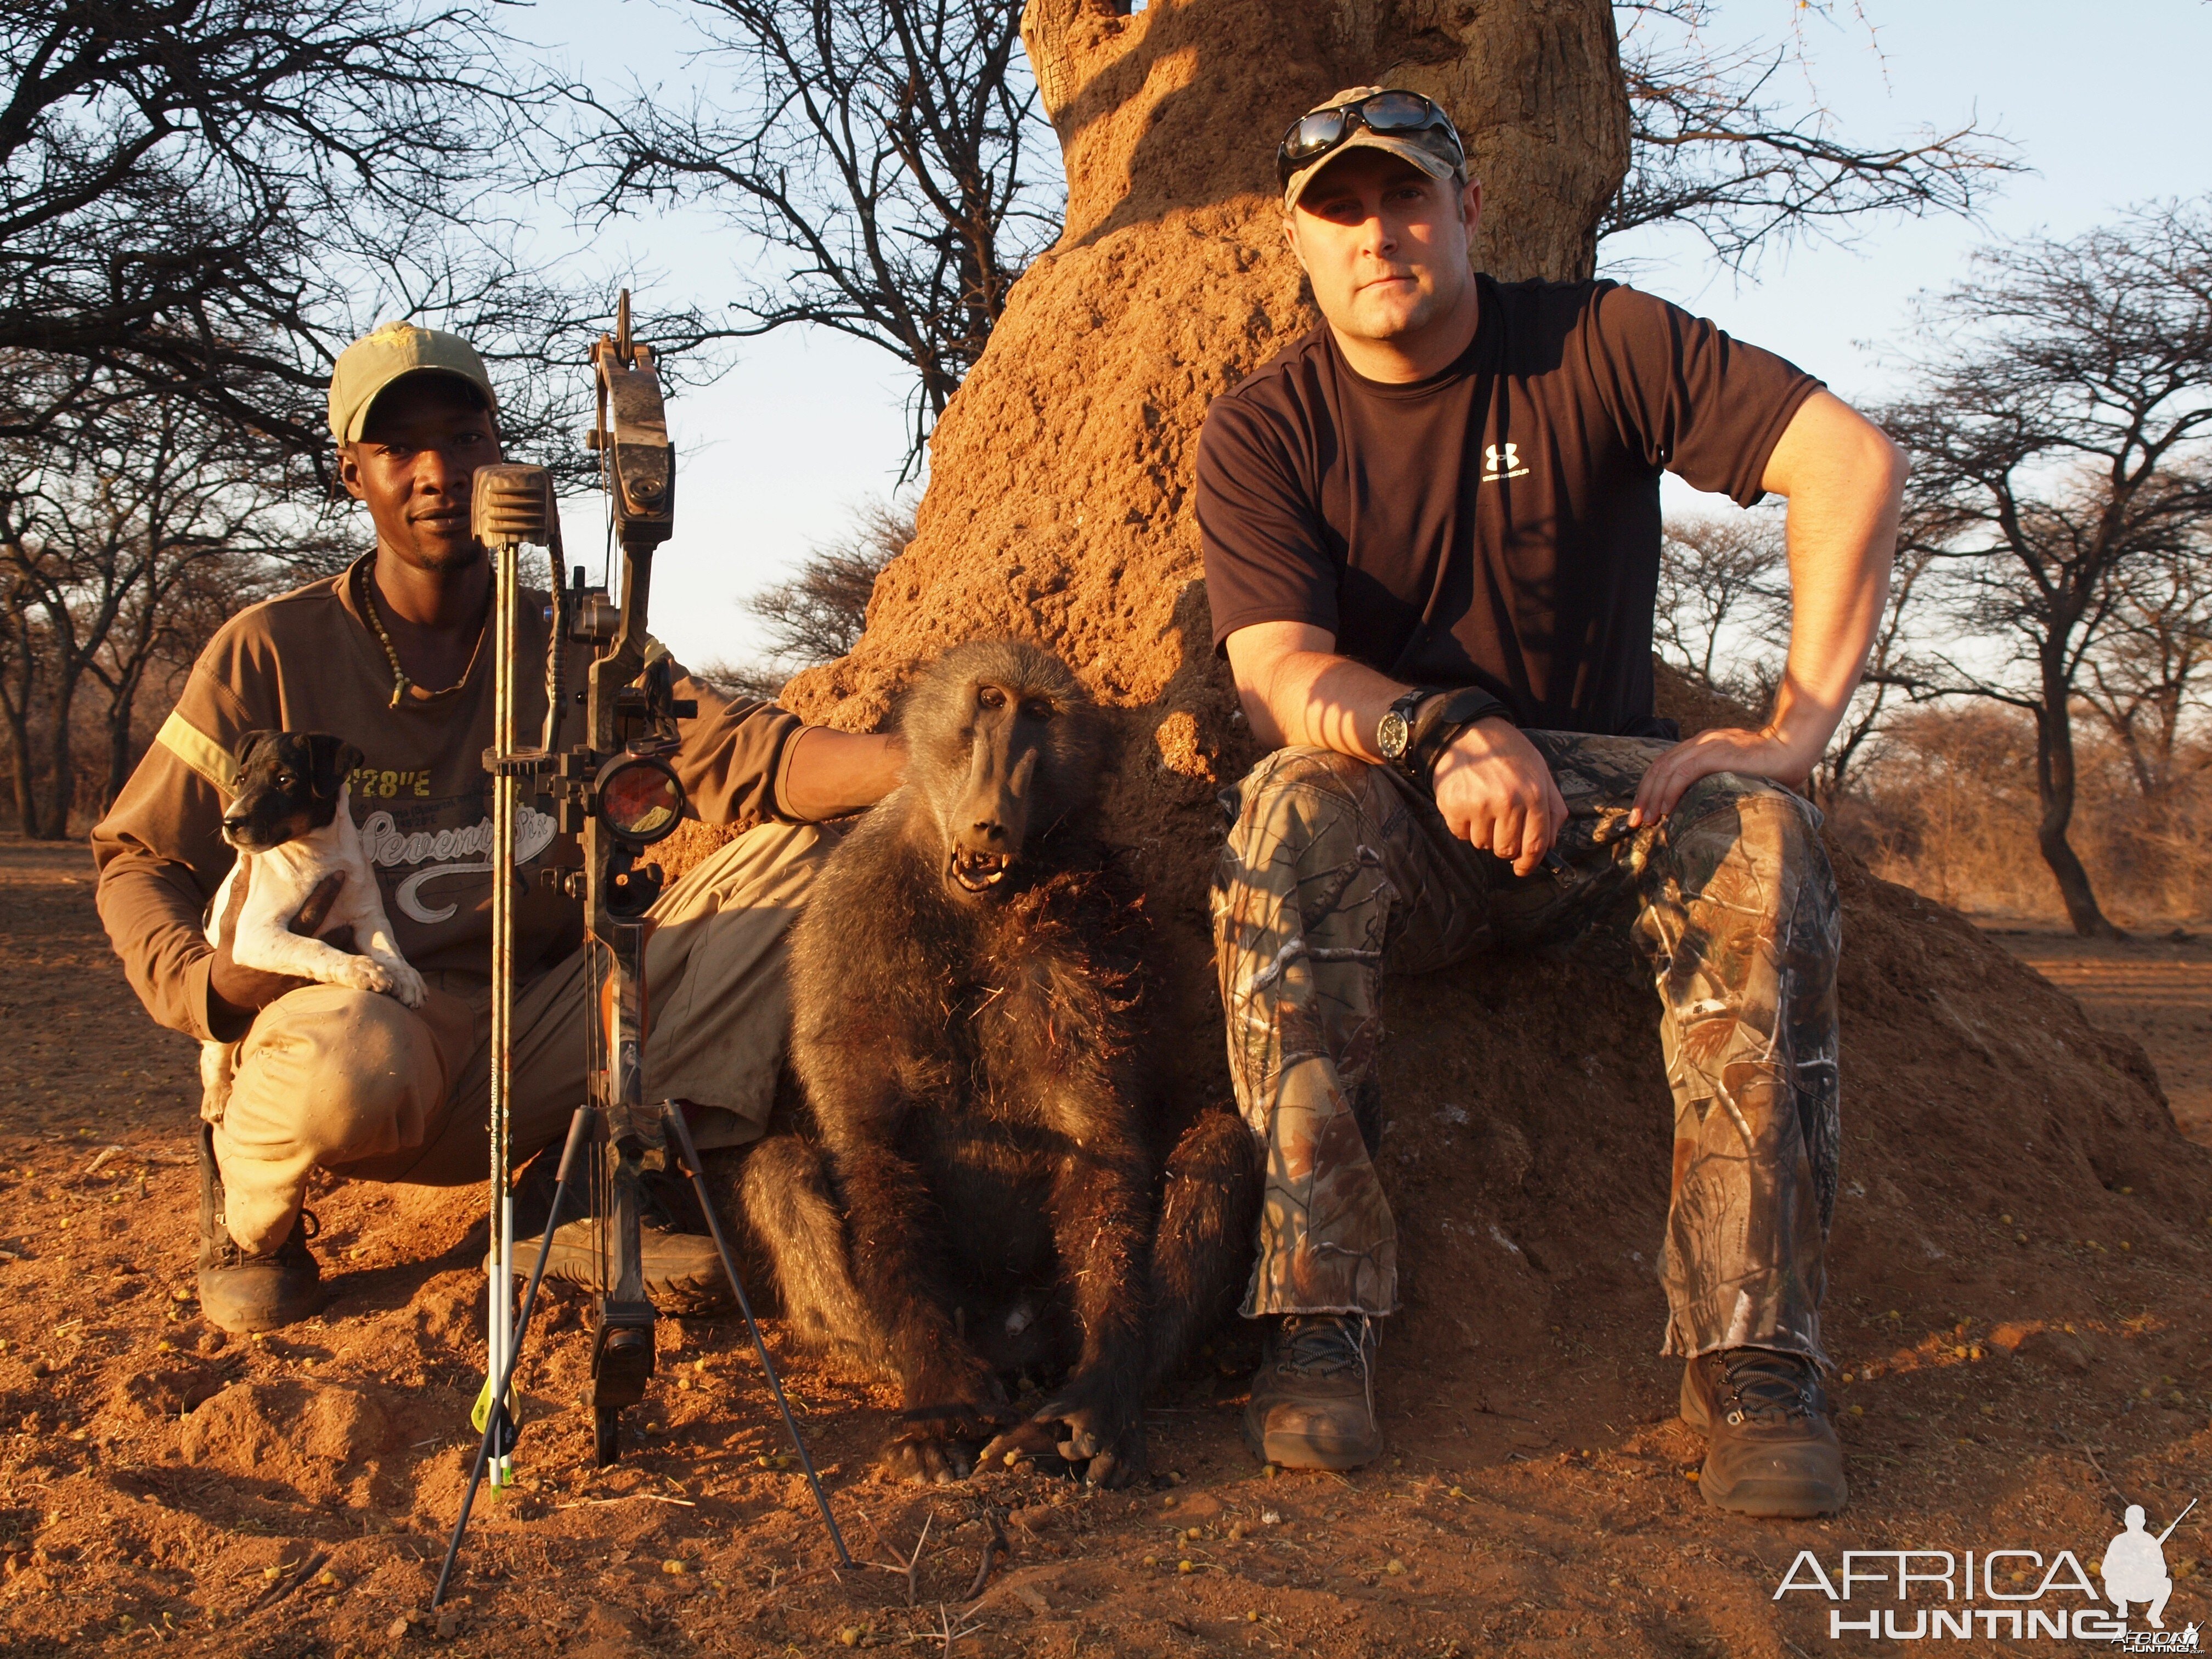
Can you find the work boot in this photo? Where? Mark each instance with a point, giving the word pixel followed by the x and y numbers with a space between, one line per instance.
pixel 241 1292
pixel 1313 1397
pixel 1770 1449
pixel 682 1270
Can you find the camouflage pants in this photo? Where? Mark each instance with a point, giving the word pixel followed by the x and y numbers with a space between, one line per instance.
pixel 1336 870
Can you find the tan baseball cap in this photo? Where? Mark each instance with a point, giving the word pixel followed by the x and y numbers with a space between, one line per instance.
pixel 1436 149
pixel 389 352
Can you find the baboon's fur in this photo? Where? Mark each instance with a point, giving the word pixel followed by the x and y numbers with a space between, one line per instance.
pixel 992 1180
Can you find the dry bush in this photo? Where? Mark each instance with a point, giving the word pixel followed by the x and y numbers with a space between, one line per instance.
pixel 1948 806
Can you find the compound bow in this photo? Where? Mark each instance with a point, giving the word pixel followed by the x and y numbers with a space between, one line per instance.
pixel 618 791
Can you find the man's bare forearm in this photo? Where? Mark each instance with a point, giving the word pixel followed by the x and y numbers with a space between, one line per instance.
pixel 829 773
pixel 1296 690
pixel 1845 480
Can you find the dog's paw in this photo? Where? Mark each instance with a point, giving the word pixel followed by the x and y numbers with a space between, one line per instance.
pixel 364 974
pixel 407 985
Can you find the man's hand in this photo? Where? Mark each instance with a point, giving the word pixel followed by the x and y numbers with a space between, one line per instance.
pixel 249 990
pixel 1497 794
pixel 1762 754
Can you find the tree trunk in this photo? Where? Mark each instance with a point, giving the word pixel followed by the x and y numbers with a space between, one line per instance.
pixel 2054 786
pixel 16 710
pixel 61 787
pixel 22 777
pixel 119 756
pixel 1059 500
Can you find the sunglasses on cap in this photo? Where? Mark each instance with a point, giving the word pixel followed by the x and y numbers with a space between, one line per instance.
pixel 1389 114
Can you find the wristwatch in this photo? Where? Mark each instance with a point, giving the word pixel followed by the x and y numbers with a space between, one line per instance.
pixel 1393 733
pixel 1413 745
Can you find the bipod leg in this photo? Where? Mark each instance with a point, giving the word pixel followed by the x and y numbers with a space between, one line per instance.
pixel 496 1420
pixel 680 1133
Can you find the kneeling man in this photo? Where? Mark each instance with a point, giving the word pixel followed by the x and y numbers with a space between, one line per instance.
pixel 394 655
pixel 1431 532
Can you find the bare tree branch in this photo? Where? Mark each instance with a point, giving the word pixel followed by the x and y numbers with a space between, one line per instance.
pixel 1719 576
pixel 1717 145
pixel 878 148
pixel 195 194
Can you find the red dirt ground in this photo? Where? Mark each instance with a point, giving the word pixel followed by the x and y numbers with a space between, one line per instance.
pixel 163 1489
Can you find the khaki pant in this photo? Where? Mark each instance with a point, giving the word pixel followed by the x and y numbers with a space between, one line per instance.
pixel 1336 870
pixel 358 1083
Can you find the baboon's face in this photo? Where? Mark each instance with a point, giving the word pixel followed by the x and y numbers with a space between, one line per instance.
pixel 288 786
pixel 1002 745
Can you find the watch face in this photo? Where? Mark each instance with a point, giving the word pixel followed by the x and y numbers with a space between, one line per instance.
pixel 1393 735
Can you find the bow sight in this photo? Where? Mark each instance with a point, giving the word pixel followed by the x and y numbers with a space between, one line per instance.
pixel 618 791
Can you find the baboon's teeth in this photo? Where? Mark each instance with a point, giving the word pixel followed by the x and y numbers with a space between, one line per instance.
pixel 978 872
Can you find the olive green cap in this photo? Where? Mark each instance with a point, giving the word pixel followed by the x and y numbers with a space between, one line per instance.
pixel 389 352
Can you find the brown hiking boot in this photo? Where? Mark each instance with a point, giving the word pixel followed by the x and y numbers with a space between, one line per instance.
pixel 1313 1397
pixel 1770 1449
pixel 242 1293
pixel 682 1270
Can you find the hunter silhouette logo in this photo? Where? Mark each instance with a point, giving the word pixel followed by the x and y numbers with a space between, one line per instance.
pixel 2134 1567
pixel 2002 1595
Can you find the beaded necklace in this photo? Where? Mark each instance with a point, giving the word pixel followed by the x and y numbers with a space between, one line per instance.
pixel 400 683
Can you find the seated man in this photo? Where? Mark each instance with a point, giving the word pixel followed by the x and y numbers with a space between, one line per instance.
pixel 394 656
pixel 1431 536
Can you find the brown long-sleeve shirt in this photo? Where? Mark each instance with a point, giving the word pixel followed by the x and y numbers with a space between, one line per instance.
pixel 308 662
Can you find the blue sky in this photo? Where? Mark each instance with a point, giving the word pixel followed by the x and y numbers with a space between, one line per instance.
pixel 2104 102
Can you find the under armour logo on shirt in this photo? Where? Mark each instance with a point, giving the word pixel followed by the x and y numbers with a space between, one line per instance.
pixel 1501 461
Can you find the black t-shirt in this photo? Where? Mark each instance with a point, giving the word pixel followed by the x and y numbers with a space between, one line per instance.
pixel 1496 525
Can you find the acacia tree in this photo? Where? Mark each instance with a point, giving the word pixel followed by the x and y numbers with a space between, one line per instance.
pixel 818 616
pixel 1718 574
pixel 2058 440
pixel 2147 669
pixel 123 549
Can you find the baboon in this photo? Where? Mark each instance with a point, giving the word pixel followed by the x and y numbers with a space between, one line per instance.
pixel 994 1180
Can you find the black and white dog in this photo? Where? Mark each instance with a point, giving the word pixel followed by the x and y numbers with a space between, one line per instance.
pixel 293 830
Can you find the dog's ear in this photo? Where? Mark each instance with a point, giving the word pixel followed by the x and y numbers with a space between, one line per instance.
pixel 253 740
pixel 330 762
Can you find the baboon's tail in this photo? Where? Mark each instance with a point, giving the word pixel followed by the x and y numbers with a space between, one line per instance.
pixel 784 1191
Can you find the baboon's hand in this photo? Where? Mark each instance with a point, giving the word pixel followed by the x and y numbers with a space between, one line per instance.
pixel 935 1445
pixel 1036 1441
pixel 1075 1428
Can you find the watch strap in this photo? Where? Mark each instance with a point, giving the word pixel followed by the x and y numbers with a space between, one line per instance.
pixel 1440 725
